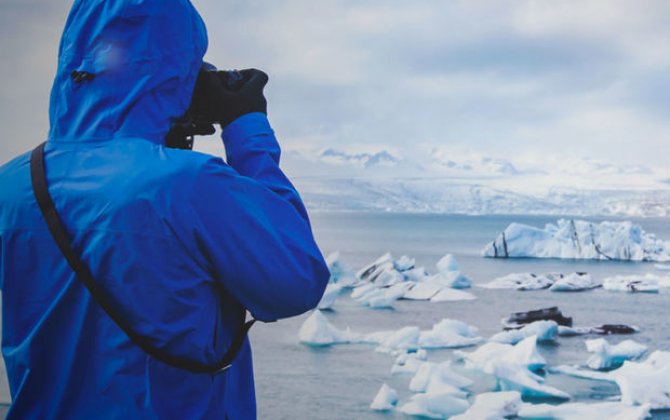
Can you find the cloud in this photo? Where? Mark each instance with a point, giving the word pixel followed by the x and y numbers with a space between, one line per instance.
pixel 516 80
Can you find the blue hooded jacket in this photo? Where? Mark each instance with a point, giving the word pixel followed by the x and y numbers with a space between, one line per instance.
pixel 179 241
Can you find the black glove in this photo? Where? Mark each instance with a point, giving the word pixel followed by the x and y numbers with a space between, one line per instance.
pixel 230 94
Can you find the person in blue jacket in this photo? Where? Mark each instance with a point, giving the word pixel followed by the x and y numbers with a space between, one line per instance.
pixel 179 242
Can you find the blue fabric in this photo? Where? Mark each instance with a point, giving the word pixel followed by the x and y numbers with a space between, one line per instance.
pixel 179 241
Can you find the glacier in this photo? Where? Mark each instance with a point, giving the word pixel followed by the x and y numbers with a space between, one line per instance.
pixel 579 239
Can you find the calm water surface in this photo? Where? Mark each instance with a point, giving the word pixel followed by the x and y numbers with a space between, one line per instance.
pixel 339 382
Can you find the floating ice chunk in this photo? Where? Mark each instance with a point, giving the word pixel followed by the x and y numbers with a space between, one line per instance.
pixel 405 263
pixel 452 279
pixel 518 378
pixel 416 274
pixel 646 382
pixel 388 277
pixel 662 267
pixel 633 283
pixel 493 406
pixel 582 373
pixel 379 297
pixel 409 362
pixel 452 295
pixel 450 333
pixel 422 291
pixel 523 354
pixel 439 378
pixel 579 239
pixel 575 282
pixel 386 399
pixel 317 331
pixel 447 264
pixel 606 356
pixel 523 281
pixel 603 410
pixel 370 272
pixel 543 330
pixel 339 272
pixel 406 338
pixel 330 295
pixel 436 406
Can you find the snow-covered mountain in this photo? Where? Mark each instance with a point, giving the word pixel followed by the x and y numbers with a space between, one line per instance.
pixel 380 180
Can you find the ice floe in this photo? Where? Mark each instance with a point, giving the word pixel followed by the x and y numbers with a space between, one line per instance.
pixel 386 399
pixel 606 356
pixel 543 330
pixel 602 410
pixel 339 272
pixel 492 406
pixel 436 406
pixel 646 382
pixel 575 282
pixel 447 333
pixel 409 362
pixel 330 295
pixel 579 239
pixel 386 280
pixel 317 331
pixel 646 283
pixel 513 367
pixel 437 378
pixel 556 282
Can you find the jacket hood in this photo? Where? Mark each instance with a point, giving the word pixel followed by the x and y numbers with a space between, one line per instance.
pixel 144 57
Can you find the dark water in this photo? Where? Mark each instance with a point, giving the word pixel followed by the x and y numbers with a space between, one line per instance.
pixel 294 381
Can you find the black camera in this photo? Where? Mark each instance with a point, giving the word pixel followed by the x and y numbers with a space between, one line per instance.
pixel 201 115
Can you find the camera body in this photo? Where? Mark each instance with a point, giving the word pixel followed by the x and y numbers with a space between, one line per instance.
pixel 201 115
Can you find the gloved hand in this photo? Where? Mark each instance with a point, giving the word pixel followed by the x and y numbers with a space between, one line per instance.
pixel 227 99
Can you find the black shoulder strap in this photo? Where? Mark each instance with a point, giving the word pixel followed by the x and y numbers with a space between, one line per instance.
pixel 41 191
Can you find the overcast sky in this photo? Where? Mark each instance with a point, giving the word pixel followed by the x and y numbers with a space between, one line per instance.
pixel 523 80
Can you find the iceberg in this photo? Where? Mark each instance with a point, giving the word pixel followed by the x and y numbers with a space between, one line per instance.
pixel 386 399
pixel 384 281
pixel 647 283
pixel 439 378
pixel 409 362
pixel 579 239
pixel 606 356
pixel 524 354
pixel 339 272
pixel 330 295
pixel 574 282
pixel 317 331
pixel 449 333
pixel 523 281
pixel 647 382
pixel 435 406
pixel 492 406
pixel 543 330
pixel 392 342
pixel 512 367
pixel 529 384
pixel 568 411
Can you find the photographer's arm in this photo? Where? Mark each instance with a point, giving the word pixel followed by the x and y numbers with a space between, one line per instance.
pixel 252 228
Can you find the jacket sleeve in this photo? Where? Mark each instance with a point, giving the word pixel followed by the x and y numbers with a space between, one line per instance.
pixel 253 228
